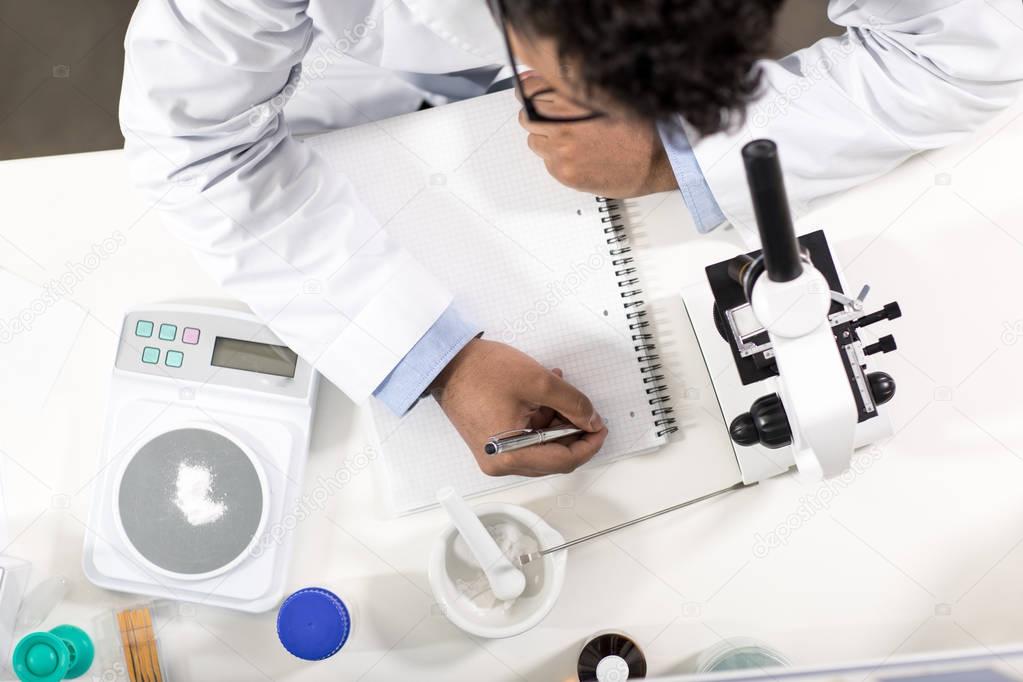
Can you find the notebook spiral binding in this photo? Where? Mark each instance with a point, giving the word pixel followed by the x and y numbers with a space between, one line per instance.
pixel 636 314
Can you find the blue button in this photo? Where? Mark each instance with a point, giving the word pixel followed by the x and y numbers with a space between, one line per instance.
pixel 144 328
pixel 168 332
pixel 313 624
pixel 174 358
pixel 150 355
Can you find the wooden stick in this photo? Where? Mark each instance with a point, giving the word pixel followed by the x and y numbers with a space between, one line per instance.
pixel 122 624
pixel 140 667
pixel 140 632
pixel 148 619
pixel 149 637
pixel 140 664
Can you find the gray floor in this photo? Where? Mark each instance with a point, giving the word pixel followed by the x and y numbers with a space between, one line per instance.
pixel 61 62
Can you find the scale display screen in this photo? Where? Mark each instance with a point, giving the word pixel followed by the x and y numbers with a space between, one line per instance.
pixel 250 356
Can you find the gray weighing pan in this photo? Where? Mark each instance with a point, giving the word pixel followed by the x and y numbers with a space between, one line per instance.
pixel 159 530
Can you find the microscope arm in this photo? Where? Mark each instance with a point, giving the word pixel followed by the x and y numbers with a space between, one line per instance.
pixel 791 301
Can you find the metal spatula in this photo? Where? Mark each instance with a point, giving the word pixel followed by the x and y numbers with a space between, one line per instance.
pixel 528 558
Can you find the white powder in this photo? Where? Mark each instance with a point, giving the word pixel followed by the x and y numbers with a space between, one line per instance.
pixel 514 541
pixel 194 485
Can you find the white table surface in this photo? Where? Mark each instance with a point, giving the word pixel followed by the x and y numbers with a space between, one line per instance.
pixel 920 550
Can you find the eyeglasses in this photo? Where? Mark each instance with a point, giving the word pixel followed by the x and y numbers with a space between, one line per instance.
pixel 544 105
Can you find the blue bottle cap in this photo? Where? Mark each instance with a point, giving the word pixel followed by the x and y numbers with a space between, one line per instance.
pixel 313 624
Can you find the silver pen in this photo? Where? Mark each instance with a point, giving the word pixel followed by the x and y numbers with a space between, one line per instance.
pixel 524 438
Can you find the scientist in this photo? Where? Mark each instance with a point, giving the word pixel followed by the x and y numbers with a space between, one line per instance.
pixel 625 97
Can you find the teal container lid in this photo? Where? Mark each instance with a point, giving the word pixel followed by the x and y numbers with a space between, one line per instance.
pixel 739 654
pixel 63 653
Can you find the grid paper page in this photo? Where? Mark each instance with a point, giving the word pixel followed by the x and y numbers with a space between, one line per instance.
pixel 527 259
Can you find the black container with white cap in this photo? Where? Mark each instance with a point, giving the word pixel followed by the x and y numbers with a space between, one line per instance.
pixel 611 657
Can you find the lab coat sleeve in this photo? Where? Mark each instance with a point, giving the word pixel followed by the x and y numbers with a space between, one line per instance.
pixel 202 114
pixel 906 77
pixel 407 382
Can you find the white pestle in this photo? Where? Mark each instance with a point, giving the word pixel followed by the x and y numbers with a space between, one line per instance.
pixel 506 581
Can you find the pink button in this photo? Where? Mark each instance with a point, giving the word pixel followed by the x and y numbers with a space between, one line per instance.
pixel 190 336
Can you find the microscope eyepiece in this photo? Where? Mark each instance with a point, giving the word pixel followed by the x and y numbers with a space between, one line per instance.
pixel 771 205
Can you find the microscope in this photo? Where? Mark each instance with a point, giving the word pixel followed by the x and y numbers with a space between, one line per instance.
pixel 801 392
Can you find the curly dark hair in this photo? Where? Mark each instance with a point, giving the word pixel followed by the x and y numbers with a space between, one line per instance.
pixel 658 58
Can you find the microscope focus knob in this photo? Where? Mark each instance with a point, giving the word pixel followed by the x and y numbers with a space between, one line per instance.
pixel 743 431
pixel 882 386
pixel 719 322
pixel 892 311
pixel 765 423
pixel 885 344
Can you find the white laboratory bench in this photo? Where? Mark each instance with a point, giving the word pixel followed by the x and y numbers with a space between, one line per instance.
pixel 919 549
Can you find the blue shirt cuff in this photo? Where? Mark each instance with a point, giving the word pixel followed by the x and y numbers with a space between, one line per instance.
pixel 695 191
pixel 413 375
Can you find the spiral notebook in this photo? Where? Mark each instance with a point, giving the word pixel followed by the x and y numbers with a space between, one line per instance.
pixel 541 267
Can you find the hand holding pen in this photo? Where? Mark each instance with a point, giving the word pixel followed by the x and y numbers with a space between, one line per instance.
pixel 490 387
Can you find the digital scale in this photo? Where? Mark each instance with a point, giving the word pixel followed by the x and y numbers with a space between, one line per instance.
pixel 209 397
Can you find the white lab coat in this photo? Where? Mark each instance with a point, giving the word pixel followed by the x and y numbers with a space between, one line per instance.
pixel 908 76
pixel 212 97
